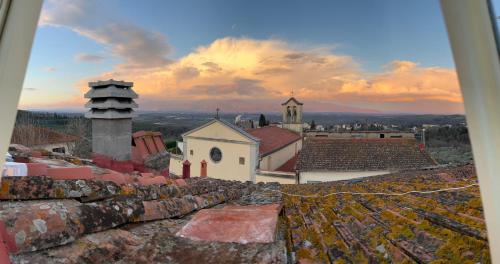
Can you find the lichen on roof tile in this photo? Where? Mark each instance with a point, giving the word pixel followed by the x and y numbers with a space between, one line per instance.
pixel 88 221
pixel 445 227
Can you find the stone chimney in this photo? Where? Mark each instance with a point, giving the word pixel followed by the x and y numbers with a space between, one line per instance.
pixel 111 110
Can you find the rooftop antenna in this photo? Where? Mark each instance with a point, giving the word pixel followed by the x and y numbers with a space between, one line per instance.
pixel 217 113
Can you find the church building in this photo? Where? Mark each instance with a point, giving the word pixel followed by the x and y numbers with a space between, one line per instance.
pixel 233 153
pixel 292 115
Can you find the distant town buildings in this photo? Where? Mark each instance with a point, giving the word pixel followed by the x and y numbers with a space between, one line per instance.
pixel 297 152
pixel 240 121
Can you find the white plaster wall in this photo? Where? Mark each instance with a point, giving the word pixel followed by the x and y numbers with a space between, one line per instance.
pixel 218 130
pixel 176 164
pixel 281 180
pixel 324 176
pixel 281 156
pixel 228 168
pixel 294 127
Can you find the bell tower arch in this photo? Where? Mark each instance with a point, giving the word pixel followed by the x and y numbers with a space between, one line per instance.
pixel 292 115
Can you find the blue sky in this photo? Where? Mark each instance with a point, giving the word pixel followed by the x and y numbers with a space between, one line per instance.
pixel 373 31
pixel 364 43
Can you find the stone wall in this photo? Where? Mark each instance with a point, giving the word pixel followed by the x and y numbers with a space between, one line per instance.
pixel 112 138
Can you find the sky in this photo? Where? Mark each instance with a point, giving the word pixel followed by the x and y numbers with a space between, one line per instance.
pixel 387 56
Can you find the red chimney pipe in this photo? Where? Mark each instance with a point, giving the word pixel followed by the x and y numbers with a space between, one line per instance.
pixel 186 169
pixel 203 172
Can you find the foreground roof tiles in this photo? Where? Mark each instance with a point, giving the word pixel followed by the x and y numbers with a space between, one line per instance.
pixel 444 227
pixel 241 224
pixel 205 220
pixel 273 138
pixel 51 213
pixel 320 154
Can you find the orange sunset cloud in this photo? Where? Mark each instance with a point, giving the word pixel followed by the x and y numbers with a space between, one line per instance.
pixel 245 74
pixel 249 70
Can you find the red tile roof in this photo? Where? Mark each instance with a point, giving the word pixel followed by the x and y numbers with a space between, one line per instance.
pixel 145 144
pixel 325 154
pixel 289 166
pixel 273 138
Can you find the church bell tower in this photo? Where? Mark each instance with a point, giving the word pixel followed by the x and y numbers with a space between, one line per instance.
pixel 292 115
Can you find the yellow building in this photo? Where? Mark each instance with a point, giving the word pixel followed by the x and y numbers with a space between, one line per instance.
pixel 230 152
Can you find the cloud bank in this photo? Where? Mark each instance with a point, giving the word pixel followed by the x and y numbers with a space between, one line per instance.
pixel 245 74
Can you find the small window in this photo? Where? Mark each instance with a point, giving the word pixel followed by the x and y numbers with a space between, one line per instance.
pixel 215 154
pixel 59 150
pixel 382 135
pixel 191 152
pixel 397 136
pixel 242 161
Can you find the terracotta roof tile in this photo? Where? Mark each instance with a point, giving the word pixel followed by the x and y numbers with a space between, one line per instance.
pixel 320 154
pixel 89 221
pixel 273 138
pixel 445 227
pixel 289 165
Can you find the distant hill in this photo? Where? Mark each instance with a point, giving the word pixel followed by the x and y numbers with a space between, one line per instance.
pixel 56 121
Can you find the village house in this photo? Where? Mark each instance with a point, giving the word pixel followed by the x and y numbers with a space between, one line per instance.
pixel 42 138
pixel 333 159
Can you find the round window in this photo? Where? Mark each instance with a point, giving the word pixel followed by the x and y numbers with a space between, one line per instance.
pixel 215 154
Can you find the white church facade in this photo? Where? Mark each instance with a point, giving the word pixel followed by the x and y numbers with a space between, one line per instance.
pixel 232 153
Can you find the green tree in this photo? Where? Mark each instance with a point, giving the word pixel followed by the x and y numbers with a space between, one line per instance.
pixel 313 125
pixel 262 121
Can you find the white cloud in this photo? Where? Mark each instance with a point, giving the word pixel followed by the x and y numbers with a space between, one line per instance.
pixel 245 73
pixel 88 57
pixel 138 47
